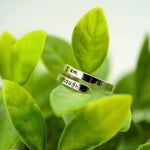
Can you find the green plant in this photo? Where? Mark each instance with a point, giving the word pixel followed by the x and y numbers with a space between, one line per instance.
pixel 91 119
pixel 137 83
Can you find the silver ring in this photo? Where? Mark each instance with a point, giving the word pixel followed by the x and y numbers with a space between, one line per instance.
pixel 72 84
pixel 69 70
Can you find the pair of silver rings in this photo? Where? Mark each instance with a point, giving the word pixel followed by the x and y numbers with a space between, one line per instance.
pixel 74 73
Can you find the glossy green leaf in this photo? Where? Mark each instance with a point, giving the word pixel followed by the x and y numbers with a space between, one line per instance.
pixel 126 126
pixel 39 85
pixel 143 74
pixel 90 40
pixel 56 54
pixel 25 115
pixel 96 123
pixel 54 129
pixel 26 54
pixel 103 71
pixel 6 43
pixel 6 129
pixel 64 99
pixel 145 146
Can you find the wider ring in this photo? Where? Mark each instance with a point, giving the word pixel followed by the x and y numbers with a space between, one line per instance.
pixel 72 84
pixel 69 70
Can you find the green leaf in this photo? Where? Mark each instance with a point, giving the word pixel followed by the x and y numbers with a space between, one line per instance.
pixel 16 59
pixel 6 43
pixel 96 123
pixel 56 54
pixel 25 115
pixel 145 131
pixel 39 85
pixel 54 128
pixel 127 123
pixel 8 136
pixel 67 117
pixel 103 71
pixel 137 134
pixel 26 54
pixel 143 74
pixel 145 146
pixel 90 40
pixel 20 145
pixel 126 126
pixel 125 85
pixel 111 144
pixel 64 99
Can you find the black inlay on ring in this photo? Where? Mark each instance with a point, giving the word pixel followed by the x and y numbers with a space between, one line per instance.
pixel 87 78
pixel 83 88
pixel 93 80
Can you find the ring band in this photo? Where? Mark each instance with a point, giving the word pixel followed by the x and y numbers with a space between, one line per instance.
pixel 71 83
pixel 69 70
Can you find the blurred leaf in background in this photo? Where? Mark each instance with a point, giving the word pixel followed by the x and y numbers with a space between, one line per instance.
pixel 145 146
pixel 57 52
pixel 39 85
pixel 55 127
pixel 126 84
pixel 142 75
pixel 138 84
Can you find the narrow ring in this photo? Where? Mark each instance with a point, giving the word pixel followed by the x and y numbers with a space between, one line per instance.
pixel 72 84
pixel 69 70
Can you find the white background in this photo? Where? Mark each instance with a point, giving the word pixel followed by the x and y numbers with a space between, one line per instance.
pixel 128 21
